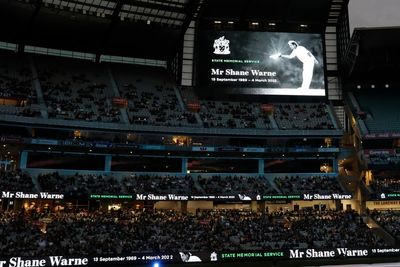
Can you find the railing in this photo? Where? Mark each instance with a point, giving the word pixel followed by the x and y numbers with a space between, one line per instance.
pixel 12 120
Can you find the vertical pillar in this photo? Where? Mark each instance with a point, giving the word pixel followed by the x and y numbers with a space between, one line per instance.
pixel 23 160
pixel 335 167
pixel 107 165
pixel 261 206
pixel 184 205
pixel 261 166
pixel 184 165
pixel 254 206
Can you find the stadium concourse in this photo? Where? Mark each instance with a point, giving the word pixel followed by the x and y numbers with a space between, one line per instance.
pixel 196 132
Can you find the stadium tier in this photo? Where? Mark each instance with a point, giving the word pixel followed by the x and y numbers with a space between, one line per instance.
pixel 79 90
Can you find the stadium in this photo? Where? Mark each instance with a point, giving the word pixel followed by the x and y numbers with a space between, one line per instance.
pixel 197 133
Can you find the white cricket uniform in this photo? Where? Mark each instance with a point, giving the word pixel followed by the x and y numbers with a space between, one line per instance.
pixel 308 61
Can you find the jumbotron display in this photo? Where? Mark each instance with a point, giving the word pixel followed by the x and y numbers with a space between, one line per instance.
pixel 271 63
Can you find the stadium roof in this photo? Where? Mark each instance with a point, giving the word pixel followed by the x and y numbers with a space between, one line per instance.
pixel 144 28
pixel 373 55
pixel 141 28
pixel 283 14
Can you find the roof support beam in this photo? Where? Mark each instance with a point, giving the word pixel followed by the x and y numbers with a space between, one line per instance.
pixel 192 7
pixel 113 23
pixel 29 28
pixel 179 8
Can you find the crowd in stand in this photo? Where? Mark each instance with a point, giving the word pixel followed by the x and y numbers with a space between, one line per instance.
pixel 157 106
pixel 16 181
pixel 15 77
pixel 152 98
pixel 383 159
pixel 388 219
pixel 303 116
pixel 84 184
pixel 122 232
pixel 76 90
pixel 312 184
pixel 34 232
pixel 159 184
pixel 233 115
pixel 79 184
pixel 81 107
pixel 234 185
pixel 386 184
pixel 16 86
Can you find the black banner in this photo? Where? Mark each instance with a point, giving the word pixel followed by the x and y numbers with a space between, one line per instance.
pixel 175 197
pixel 190 257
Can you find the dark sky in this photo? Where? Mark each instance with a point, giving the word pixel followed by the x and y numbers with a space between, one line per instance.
pixel 374 13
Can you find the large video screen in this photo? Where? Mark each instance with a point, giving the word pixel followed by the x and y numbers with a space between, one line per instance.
pixel 271 63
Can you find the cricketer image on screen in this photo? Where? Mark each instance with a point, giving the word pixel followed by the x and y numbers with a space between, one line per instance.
pixel 272 63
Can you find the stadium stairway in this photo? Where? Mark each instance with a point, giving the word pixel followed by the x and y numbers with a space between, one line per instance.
pixel 270 179
pixel 353 101
pixel 332 116
pixel 353 105
pixel 198 119
pixel 123 111
pixel 197 185
pixel 365 192
pixel 179 97
pixel 182 104
pixel 38 89
pixel 273 122
pixel 378 230
pixel 36 183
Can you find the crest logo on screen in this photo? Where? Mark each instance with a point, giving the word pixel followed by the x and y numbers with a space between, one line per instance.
pixel 213 256
pixel 221 46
